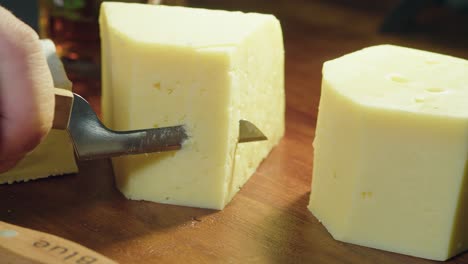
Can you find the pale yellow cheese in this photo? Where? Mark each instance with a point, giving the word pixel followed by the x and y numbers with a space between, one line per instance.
pixel 207 69
pixel 391 151
pixel 55 155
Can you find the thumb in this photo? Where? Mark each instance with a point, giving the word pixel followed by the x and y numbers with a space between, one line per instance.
pixel 26 94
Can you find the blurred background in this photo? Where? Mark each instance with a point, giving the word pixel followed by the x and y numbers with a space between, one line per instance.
pixel 314 31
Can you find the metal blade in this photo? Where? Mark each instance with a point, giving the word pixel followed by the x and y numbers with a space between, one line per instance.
pixel 92 140
pixel 55 65
pixel 248 132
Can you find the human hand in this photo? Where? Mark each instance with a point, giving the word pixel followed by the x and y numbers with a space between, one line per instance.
pixel 26 94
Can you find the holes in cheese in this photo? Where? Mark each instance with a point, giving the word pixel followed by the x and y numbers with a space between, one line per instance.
pixel 206 69
pixel 401 157
pixel 435 89
pixel 395 77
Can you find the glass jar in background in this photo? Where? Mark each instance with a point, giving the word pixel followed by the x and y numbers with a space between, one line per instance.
pixel 73 26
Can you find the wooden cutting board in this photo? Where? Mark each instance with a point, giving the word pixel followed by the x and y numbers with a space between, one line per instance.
pixel 267 221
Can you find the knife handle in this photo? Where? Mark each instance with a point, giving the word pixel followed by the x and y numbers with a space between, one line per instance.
pixel 63 106
pixel 22 245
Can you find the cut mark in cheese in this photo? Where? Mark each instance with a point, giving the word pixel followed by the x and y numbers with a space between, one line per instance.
pixel 393 125
pixel 206 69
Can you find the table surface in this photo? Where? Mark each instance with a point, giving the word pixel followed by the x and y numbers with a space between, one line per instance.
pixel 267 221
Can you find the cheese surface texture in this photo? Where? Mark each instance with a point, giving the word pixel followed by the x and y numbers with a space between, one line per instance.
pixel 54 155
pixel 206 69
pixel 390 151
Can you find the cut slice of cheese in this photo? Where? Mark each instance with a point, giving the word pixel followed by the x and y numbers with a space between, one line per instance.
pixel 391 145
pixel 206 69
pixel 55 154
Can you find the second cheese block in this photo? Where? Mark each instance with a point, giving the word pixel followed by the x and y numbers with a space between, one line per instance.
pixel 207 69
pixel 391 146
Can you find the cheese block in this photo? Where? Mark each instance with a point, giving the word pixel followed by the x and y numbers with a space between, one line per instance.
pixel 55 154
pixel 206 69
pixel 390 151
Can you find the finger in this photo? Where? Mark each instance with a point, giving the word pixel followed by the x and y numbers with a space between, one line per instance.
pixel 26 95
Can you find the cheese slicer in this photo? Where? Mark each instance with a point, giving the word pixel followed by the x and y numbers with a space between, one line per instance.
pixel 92 140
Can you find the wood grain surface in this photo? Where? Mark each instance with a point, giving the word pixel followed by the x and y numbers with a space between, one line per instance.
pixel 19 245
pixel 267 221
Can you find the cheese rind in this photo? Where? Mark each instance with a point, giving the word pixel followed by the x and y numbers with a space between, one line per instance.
pixel 390 151
pixel 206 69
